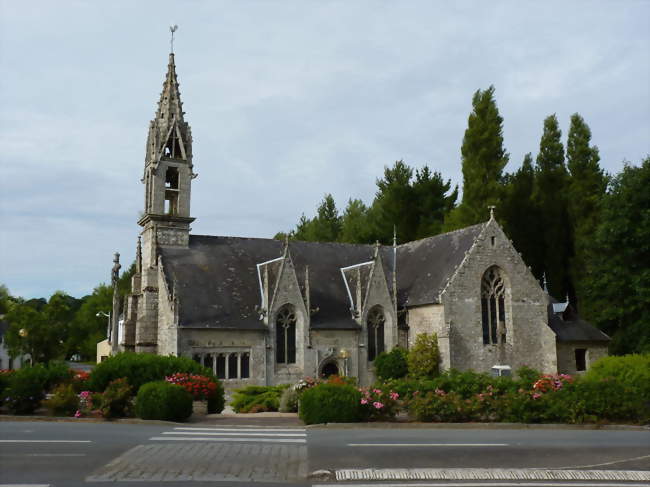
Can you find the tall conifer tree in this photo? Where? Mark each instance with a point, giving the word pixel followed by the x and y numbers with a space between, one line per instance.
pixel 520 215
pixel 483 160
pixel 587 185
pixel 550 195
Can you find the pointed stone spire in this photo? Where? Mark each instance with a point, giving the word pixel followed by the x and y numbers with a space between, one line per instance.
pixel 491 208
pixel 169 134
pixel 170 105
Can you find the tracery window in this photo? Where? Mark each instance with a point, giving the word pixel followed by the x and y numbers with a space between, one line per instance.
pixel 493 291
pixel 375 324
pixel 285 334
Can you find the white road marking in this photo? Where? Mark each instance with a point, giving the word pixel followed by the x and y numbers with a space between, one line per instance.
pixel 263 430
pixel 24 485
pixel 45 441
pixel 219 433
pixel 608 463
pixel 42 455
pixel 475 474
pixel 203 438
pixel 428 444
pixel 493 484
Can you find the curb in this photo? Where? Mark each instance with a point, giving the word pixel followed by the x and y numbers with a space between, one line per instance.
pixel 377 425
pixel 481 426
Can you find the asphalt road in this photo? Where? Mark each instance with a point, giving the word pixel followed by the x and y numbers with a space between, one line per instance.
pixel 74 454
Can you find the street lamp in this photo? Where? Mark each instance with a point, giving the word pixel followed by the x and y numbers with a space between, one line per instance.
pixel 108 328
pixel 344 354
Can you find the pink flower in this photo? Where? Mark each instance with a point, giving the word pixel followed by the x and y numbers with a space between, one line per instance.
pixel 394 396
pixel 376 391
pixel 537 395
pixel 440 392
pixel 378 405
pixel 77 414
pixel 364 401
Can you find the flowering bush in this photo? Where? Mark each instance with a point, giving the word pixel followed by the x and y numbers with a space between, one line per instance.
pixel 379 404
pixel 200 386
pixel 116 401
pixel 306 383
pixel 79 380
pixel 87 402
pixel 548 383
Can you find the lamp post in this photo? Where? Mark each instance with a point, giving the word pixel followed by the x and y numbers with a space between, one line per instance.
pixel 344 354
pixel 108 328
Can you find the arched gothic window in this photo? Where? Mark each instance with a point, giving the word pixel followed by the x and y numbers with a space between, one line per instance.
pixel 493 292
pixel 375 324
pixel 285 334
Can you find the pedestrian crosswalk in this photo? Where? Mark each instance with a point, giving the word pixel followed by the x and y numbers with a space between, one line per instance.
pixel 234 435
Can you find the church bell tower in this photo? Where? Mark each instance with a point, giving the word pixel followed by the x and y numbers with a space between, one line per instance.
pixel 168 174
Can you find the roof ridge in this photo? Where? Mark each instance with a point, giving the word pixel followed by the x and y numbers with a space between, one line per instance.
pixel 459 230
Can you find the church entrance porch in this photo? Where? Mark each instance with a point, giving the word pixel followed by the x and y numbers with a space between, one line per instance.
pixel 329 368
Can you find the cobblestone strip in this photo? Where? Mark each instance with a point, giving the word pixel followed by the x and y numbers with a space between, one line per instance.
pixel 490 474
pixel 194 461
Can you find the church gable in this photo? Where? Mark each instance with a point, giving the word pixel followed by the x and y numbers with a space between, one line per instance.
pixel 496 309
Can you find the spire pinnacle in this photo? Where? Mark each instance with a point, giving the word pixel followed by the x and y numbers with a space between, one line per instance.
pixel 172 29
pixel 491 208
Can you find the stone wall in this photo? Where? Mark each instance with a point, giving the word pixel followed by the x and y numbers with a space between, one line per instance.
pixel 203 341
pixel 327 346
pixel 566 359
pixel 430 319
pixel 529 340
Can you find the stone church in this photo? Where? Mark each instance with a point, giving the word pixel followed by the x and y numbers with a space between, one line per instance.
pixel 262 311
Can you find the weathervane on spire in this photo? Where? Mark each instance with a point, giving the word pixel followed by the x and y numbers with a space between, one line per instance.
pixel 172 29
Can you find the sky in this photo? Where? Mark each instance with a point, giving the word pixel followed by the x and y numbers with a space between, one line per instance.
pixel 287 100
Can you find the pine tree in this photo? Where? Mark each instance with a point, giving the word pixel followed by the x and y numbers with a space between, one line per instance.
pixel 587 184
pixel 394 205
pixel 550 195
pixel 520 215
pixel 483 160
pixel 433 201
pixel 355 227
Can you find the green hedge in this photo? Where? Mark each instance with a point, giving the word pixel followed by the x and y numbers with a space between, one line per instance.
pixel 164 401
pixel 25 388
pixel 257 399
pixel 330 403
pixel 632 371
pixel 140 368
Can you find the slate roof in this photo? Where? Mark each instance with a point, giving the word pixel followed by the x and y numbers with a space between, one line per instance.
pixel 569 327
pixel 217 284
pixel 424 266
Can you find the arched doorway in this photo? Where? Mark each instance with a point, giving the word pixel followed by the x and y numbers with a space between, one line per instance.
pixel 329 368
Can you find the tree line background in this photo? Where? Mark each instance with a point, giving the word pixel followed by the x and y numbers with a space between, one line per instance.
pixel 587 231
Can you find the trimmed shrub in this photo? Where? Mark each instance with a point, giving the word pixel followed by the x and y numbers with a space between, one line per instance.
pixel 64 401
pixel 115 402
pixel 391 365
pixel 289 401
pixel 329 403
pixel 163 400
pixel 257 399
pixel 424 357
pixel 217 402
pixel 140 368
